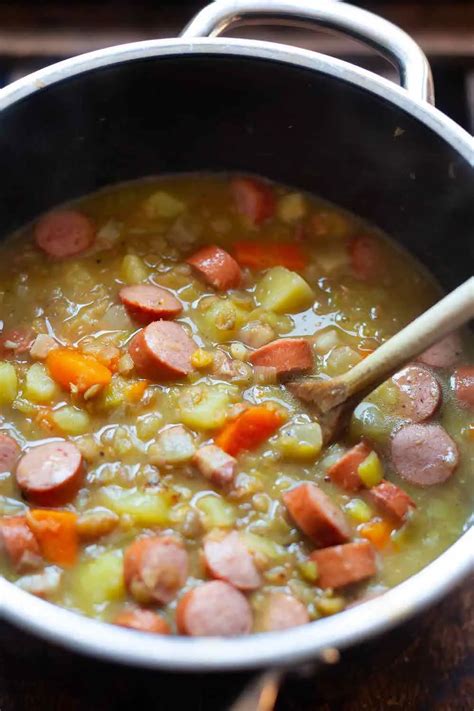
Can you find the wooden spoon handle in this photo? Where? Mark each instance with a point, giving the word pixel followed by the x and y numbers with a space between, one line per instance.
pixel 452 311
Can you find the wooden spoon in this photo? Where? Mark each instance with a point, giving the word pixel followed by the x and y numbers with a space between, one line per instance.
pixel 331 397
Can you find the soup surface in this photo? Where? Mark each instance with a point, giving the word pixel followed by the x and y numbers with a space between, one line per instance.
pixel 159 467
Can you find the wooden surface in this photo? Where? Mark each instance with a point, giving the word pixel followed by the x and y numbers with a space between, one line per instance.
pixel 426 665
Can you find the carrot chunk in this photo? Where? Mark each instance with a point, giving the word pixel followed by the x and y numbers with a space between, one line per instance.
pixel 69 367
pixel 263 256
pixel 249 430
pixel 56 534
pixel 378 532
pixel 135 391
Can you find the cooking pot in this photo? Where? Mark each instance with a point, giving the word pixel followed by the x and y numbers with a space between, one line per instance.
pixel 317 123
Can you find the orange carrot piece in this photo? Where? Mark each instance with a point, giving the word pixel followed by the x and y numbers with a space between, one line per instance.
pixel 56 534
pixel 135 391
pixel 378 532
pixel 344 472
pixel 69 367
pixel 263 256
pixel 250 429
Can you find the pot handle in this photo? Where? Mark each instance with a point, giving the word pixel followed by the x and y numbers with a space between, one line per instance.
pixel 388 39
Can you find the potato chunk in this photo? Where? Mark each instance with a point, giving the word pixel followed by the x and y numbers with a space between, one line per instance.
pixel 203 408
pixel 284 291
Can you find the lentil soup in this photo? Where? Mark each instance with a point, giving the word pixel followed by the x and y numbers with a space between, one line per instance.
pixel 157 471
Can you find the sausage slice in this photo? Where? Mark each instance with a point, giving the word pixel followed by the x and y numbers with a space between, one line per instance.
pixel 424 454
pixel 392 500
pixel 142 620
pixel 228 559
pixel 282 612
pixel 215 464
pixel 343 565
pixel 443 354
pixel 463 382
pixel 214 609
pixel 216 267
pixel 19 544
pixel 64 233
pixel 155 568
pixel 420 393
pixel 344 472
pixel 9 453
pixel 254 199
pixel 287 355
pixel 163 350
pixel 51 474
pixel 316 515
pixel 146 303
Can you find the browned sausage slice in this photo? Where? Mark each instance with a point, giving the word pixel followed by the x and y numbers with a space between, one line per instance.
pixel 155 568
pixel 142 620
pixel 228 559
pixel 64 233
pixel 19 544
pixel 51 474
pixel 343 565
pixel 146 303
pixel 392 500
pixel 420 393
pixel 282 612
pixel 163 350
pixel 9 453
pixel 216 267
pixel 463 381
pixel 345 472
pixel 424 454
pixel 214 609
pixel 287 355
pixel 443 354
pixel 215 464
pixel 316 515
pixel 254 199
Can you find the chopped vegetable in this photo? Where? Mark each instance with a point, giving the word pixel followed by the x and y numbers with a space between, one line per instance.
pixel 39 387
pixel 300 441
pixel 201 358
pixel 284 291
pixel 203 408
pixel 162 204
pixel 145 508
pixel 174 445
pixel 249 430
pixel 378 532
pixel 74 370
pixel 263 256
pixel 133 270
pixel 344 472
pixel 8 383
pixel 56 533
pixel 136 391
pixel 358 510
pixel 71 420
pixel 370 470
pixel 100 580
pixel 309 570
pixel 291 207
pixel 217 512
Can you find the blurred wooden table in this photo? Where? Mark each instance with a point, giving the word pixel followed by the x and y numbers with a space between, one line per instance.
pixel 426 665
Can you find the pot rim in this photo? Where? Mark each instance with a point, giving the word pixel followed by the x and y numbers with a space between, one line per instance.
pixel 289 647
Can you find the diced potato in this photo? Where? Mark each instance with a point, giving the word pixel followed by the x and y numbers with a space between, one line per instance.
pixel 113 395
pixel 161 204
pixel 203 408
pixel 300 441
pixel 124 445
pixel 326 341
pixel 8 383
pixel 148 425
pixel 39 386
pixel 133 269
pixel 332 259
pixel 217 512
pixel 342 359
pixel 100 580
pixel 284 291
pixel 308 570
pixel 145 508
pixel 174 445
pixel 330 605
pixel 358 510
pixel 369 421
pixel 71 420
pixel 327 223
pixel 291 207
pixel 220 319
pixel 371 470
pixel 263 546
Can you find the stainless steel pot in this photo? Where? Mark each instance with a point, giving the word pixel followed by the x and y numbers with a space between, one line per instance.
pixel 296 116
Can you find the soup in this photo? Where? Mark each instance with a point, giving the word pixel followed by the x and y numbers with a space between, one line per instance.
pixel 158 470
